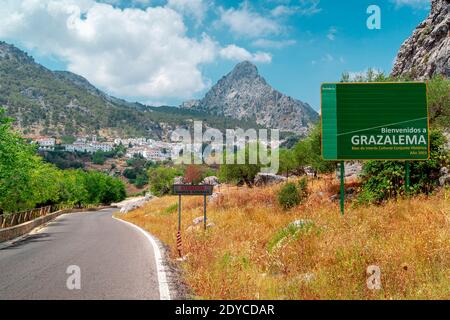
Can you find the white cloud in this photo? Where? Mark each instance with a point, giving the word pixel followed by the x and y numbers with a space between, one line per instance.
pixel 130 53
pixel 309 7
pixel 194 8
pixel 232 52
pixel 273 44
pixel 129 2
pixel 332 34
pixel 304 8
pixel 420 4
pixel 245 22
pixel 328 58
pixel 283 10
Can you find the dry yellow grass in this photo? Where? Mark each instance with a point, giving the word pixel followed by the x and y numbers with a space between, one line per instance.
pixel 239 258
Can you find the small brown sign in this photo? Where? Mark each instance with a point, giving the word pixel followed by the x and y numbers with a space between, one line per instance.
pixel 192 190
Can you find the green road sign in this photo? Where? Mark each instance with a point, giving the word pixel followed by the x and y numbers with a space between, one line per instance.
pixel 379 121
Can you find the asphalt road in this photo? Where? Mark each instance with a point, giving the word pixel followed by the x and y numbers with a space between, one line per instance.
pixel 116 261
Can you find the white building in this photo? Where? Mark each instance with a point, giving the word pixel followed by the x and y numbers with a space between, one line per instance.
pixel 89 147
pixel 152 154
pixel 46 143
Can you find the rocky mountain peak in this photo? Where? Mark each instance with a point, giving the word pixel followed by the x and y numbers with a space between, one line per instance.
pixel 427 51
pixel 245 69
pixel 244 94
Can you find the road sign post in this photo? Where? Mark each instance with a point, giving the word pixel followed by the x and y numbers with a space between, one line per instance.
pixel 191 190
pixel 179 240
pixel 342 186
pixel 407 176
pixel 204 211
pixel 375 121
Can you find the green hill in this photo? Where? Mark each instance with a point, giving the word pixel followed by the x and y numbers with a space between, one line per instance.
pixel 55 103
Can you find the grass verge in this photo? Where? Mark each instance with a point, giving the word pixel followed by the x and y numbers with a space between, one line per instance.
pixel 254 252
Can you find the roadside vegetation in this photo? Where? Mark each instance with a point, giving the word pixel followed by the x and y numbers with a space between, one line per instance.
pixel 27 181
pixel 254 251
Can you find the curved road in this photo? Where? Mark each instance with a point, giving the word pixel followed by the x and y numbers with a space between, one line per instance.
pixel 116 261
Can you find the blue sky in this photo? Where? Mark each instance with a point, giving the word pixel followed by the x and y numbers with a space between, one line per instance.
pixel 165 52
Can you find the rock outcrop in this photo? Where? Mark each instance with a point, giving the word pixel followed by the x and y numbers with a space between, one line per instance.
pixel 214 181
pixel 179 180
pixel 352 170
pixel 427 51
pixel 133 203
pixel 266 179
pixel 244 95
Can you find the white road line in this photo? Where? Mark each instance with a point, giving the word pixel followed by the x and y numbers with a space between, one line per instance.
pixel 164 291
pixel 384 125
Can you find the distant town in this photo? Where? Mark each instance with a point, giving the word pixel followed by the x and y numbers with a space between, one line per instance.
pixel 152 150
pixel 149 149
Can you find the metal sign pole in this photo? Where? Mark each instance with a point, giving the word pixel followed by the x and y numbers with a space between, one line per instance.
pixel 204 211
pixel 407 173
pixel 190 190
pixel 342 187
pixel 179 213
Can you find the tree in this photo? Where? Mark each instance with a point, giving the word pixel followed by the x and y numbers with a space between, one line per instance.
pixel 26 181
pixel 309 152
pixel 17 162
pixel 287 162
pixel 193 174
pixel 237 173
pixel 161 180
pixel 99 158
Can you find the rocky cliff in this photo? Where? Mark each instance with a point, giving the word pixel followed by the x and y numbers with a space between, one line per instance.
pixel 427 51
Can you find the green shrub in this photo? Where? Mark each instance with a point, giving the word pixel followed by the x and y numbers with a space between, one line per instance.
pixel 237 173
pixel 303 188
pixel 141 181
pixel 288 196
pixel 161 180
pixel 308 152
pixel 382 180
pixel 98 158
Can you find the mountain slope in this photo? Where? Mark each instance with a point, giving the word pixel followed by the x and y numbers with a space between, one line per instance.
pixel 61 103
pixel 244 94
pixel 427 51
pixel 52 103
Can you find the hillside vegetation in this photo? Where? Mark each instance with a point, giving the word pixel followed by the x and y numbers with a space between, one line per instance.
pixel 43 102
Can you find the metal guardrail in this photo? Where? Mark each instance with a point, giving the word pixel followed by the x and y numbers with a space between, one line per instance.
pixel 14 219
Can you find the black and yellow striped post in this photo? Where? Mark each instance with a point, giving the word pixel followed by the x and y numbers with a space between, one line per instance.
pixel 179 241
